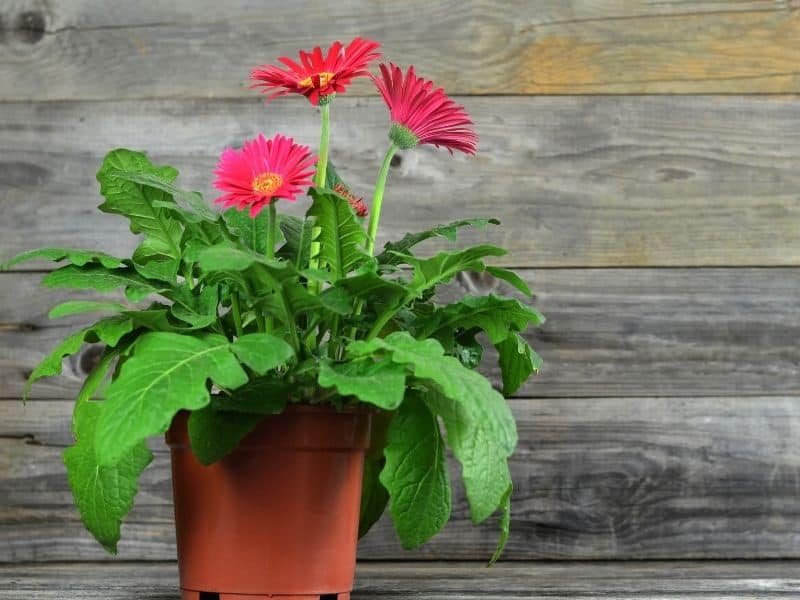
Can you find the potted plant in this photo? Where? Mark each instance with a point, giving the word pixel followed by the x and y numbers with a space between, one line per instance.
pixel 284 358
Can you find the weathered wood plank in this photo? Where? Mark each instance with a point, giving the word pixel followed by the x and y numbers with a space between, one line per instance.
pixel 642 478
pixel 88 50
pixel 610 332
pixel 611 181
pixel 440 581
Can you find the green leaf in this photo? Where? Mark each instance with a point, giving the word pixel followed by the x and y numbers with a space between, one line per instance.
pixel 103 494
pixel 214 434
pixel 97 375
pixel 137 202
pixel 517 361
pixel 374 496
pixel 341 237
pixel 76 257
pixel 251 230
pixel 442 267
pixel 416 475
pixel 196 307
pixel 161 270
pixel 505 525
pixel 166 373
pixel 448 232
pixel 480 426
pixel 382 384
pixel 297 233
pixel 495 315
pixel 109 331
pixel 190 204
pixel 261 396
pixel 97 277
pixel 223 257
pixel 510 277
pixel 76 307
pixel 262 352
pixel 369 285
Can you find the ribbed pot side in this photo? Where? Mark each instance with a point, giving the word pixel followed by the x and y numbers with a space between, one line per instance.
pixel 279 515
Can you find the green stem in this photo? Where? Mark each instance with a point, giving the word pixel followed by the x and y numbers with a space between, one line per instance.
pixel 237 313
pixel 377 198
pixel 324 142
pixel 272 234
pixel 385 318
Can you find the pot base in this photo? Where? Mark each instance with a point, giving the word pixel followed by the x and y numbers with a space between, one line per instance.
pixel 193 595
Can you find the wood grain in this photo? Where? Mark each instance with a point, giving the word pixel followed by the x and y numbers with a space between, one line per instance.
pixel 610 332
pixel 594 478
pixel 577 182
pixel 85 49
pixel 440 581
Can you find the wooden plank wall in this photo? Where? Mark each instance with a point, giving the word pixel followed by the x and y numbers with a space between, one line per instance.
pixel 642 155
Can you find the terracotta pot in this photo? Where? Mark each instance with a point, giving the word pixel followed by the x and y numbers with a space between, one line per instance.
pixel 278 517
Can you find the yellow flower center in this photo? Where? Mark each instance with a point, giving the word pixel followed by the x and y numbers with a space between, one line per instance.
pixel 324 79
pixel 267 183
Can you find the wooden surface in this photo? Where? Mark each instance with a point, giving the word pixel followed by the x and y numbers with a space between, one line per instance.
pixel 594 478
pixel 88 49
pixel 441 581
pixel 577 182
pixel 660 232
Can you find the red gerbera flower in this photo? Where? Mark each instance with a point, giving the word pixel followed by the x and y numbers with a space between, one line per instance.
pixel 423 114
pixel 262 171
pixel 317 76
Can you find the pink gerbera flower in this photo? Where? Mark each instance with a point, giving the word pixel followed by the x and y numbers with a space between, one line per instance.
pixel 318 76
pixel 422 113
pixel 262 171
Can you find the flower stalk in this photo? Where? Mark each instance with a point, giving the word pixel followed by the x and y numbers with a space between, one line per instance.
pixel 272 227
pixel 324 141
pixel 377 198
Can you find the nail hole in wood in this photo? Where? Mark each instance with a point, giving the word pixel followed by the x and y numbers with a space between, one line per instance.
pixel 396 161
pixel 30 27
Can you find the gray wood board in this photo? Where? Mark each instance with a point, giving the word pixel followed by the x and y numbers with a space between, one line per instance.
pixel 441 581
pixel 621 478
pixel 88 49
pixel 577 182
pixel 610 332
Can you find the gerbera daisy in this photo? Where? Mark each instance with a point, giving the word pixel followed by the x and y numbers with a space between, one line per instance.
pixel 262 171
pixel 422 113
pixel 317 76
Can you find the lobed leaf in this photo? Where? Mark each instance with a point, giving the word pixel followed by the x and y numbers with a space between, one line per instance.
pixel 76 307
pixel 214 434
pixel 167 372
pixel 102 279
pixel 495 315
pixel 517 362
pixel 103 494
pixel 76 257
pixel 109 331
pixel 480 426
pixel 262 352
pixel 382 384
pixel 448 232
pixel 415 474
pixel 138 202
pixel 341 238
